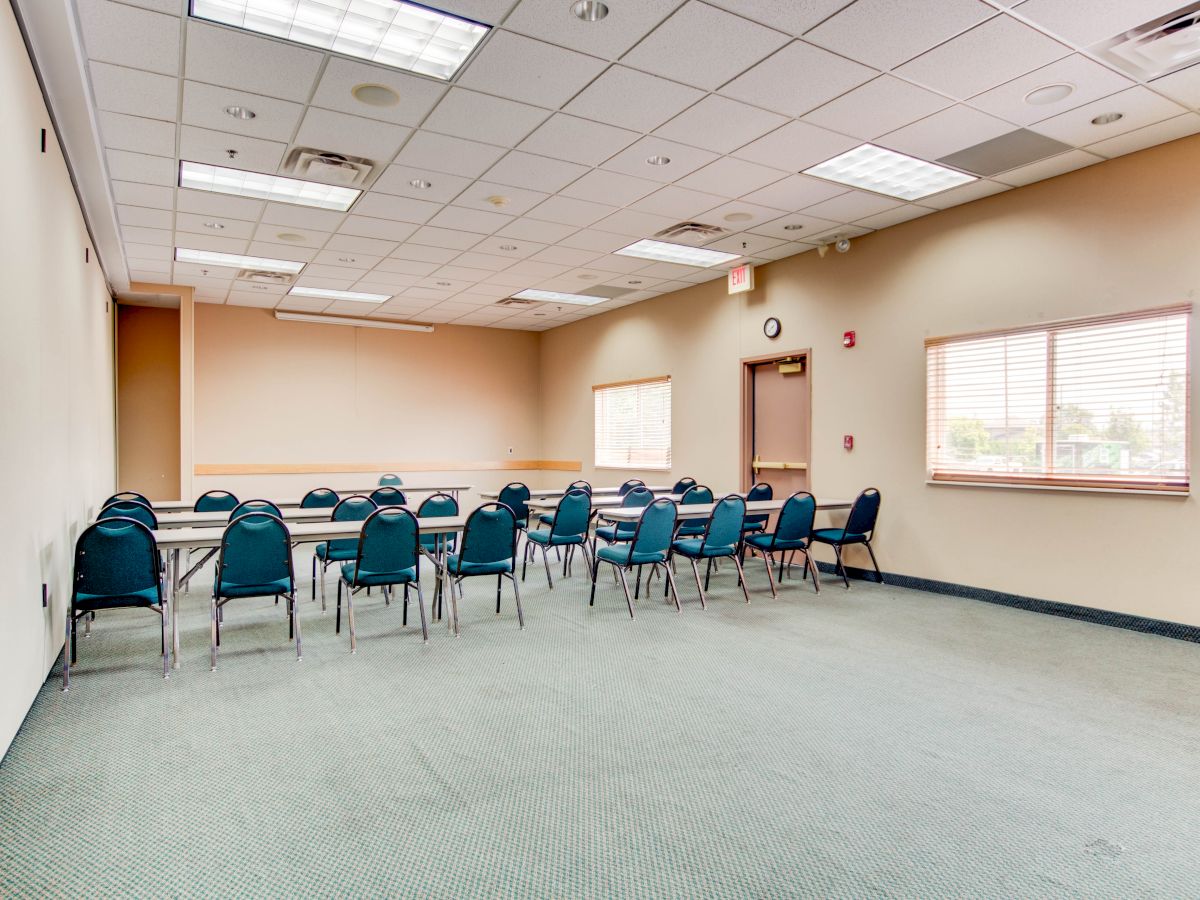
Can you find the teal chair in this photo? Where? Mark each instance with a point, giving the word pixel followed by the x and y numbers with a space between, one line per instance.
pixel 215 501
pixel 388 496
pixel 757 523
pixel 649 546
pixel 130 509
pixel 255 561
pixel 859 529
pixel 436 544
pixel 247 507
pixel 319 498
pixel 624 531
pixel 793 534
pixel 629 486
pixel 547 518
pixel 722 538
pixel 489 547
pixel 355 508
pixel 516 497
pixel 682 485
pixel 390 480
pixel 116 567
pixel 127 495
pixel 389 554
pixel 568 528
pixel 696 495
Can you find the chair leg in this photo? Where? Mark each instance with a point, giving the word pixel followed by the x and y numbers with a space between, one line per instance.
pixel 291 599
pixel 699 586
pixel 878 574
pixel 74 635
pixel 841 567
pixel 404 615
pixel 595 572
pixel 671 584
pixel 314 578
pixel 421 607
pixel 546 563
pixel 517 595
pixel 337 626
pixel 499 582
pixel 524 559
pixel 810 564
pixel 454 603
pixel 349 615
pixel 212 638
pixel 66 673
pixel 625 587
pixel 766 558
pixel 166 643
pixel 741 577
pixel 324 566
pixel 637 585
pixel 707 573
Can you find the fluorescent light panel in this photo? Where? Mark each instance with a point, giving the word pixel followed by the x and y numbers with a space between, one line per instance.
pixel 558 297
pixel 237 261
pixel 388 32
pixel 889 173
pixel 346 320
pixel 677 253
pixel 220 180
pixel 323 294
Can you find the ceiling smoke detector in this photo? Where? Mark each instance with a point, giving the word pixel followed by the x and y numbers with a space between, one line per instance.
pixel 1162 45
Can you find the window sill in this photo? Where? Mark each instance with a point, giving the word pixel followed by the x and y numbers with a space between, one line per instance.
pixel 1061 488
pixel 635 468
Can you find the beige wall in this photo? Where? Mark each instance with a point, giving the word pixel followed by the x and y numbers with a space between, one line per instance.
pixel 148 401
pixel 292 392
pixel 56 412
pixel 1122 235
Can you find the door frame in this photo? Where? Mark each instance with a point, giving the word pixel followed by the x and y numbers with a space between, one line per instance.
pixel 747 407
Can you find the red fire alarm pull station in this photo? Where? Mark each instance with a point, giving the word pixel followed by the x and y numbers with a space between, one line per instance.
pixel 848 441
pixel 848 342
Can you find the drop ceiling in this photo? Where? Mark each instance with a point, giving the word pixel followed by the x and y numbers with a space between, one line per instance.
pixel 559 117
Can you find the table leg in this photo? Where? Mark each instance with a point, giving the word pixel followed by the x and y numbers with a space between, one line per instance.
pixel 172 569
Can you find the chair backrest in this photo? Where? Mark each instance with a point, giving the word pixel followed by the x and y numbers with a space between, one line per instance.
pixel 436 506
pixel 682 485
pixel 215 501
pixel 655 528
pixel 629 486
pixel 515 497
pixel 354 508
pixel 638 496
pixel 126 495
pixel 319 498
pixel 796 518
pixel 130 509
pixel 490 535
pixel 389 542
pixel 696 495
pixel 116 556
pixel 760 491
pixel 572 514
pixel 246 507
pixel 580 486
pixel 256 549
pixel 724 527
pixel 863 513
pixel 388 496
pixel 390 479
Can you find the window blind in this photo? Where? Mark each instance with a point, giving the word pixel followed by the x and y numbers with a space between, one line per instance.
pixel 633 425
pixel 1100 402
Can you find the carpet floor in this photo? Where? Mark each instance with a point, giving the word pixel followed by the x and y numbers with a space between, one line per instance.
pixel 870 742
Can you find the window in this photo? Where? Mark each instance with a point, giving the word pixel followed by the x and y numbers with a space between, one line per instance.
pixel 633 424
pixel 1100 403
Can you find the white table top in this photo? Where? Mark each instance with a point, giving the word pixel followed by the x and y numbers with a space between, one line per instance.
pixel 548 504
pixel 186 518
pixel 704 510
pixel 341 492
pixel 301 532
pixel 545 493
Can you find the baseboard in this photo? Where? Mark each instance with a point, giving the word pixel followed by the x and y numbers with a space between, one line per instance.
pixel 1175 630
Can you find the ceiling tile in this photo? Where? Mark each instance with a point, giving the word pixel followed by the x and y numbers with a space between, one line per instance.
pixel 905 213
pixel 162 236
pixel 303 304
pixel 455 272
pixel 517 201
pixel 612 187
pixel 347 275
pixel 402 267
pixel 1090 81
pixel 1139 107
pixel 798 78
pixel 417 96
pixel 274 234
pixel 976 190
pixel 607 99
pixel 608 38
pixel 337 132
pixel 535 173
pixel 567 211
pixel 115 33
pixel 204 105
pixel 990 54
pixel 148 195
pixel 682 160
pixel 329 284
pixel 281 251
pixel 744 215
pixel 485 261
pixel 122 132
pixel 245 298
pixel 458 218
pixel 147 251
pixel 203 203
pixel 795 192
pixel 424 253
pixel 852 205
pixel 704 46
pixel 1084 22
pixel 229 57
pixel 535 230
pixel 254 155
pixel 803 226
pixel 471 115
pixel 1182 86
pixel 945 132
pixel 556 256
pixel 455 156
pixel 165 6
pixel 836 234
pixel 381 229
pixel 302 217
pixel 235 228
pixel 677 202
pixel 720 125
pixel 876 108
pixel 442 187
pixel 744 244
pixel 508 247
pixel 886 33
pixel 121 90
pixel 1150 136
pixel 214 242
pixel 354 243
pixel 596 241
pixel 786 15
pixel 577 140
pixel 728 177
pixel 126 166
pixel 1049 168
pixel 399 209
pixel 443 237
pixel 530 71
pixel 634 223
pixel 143 217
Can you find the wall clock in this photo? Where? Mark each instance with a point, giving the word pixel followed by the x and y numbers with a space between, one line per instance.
pixel 772 328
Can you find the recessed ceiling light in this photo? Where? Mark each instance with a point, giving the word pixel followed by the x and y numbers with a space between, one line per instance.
pixel 559 297
pixel 497 200
pixel 1049 93
pixel 658 160
pixel 539 314
pixel 889 173
pixel 216 226
pixel 236 261
pixel 258 287
pixel 792 227
pixel 220 180
pixel 508 247
pixel 1108 118
pixel 738 217
pixel 240 112
pixel 375 94
pixel 396 33
pixel 443 284
pixel 290 236
pixel 420 183
pixel 634 281
pixel 676 253
pixel 346 259
pixel 323 294
pixel 587 277
pixel 589 10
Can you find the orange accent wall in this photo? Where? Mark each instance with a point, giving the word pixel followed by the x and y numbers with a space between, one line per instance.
pixel 148 401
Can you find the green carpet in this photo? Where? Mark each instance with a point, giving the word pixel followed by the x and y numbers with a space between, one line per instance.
pixel 871 742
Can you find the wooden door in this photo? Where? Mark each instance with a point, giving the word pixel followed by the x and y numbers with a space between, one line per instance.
pixel 780 422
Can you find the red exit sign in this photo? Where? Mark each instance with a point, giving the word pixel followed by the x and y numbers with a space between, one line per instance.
pixel 741 279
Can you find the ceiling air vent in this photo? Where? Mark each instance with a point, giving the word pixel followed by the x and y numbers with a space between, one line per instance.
pixel 513 301
pixel 1163 45
pixel 693 232
pixel 259 277
pixel 329 168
